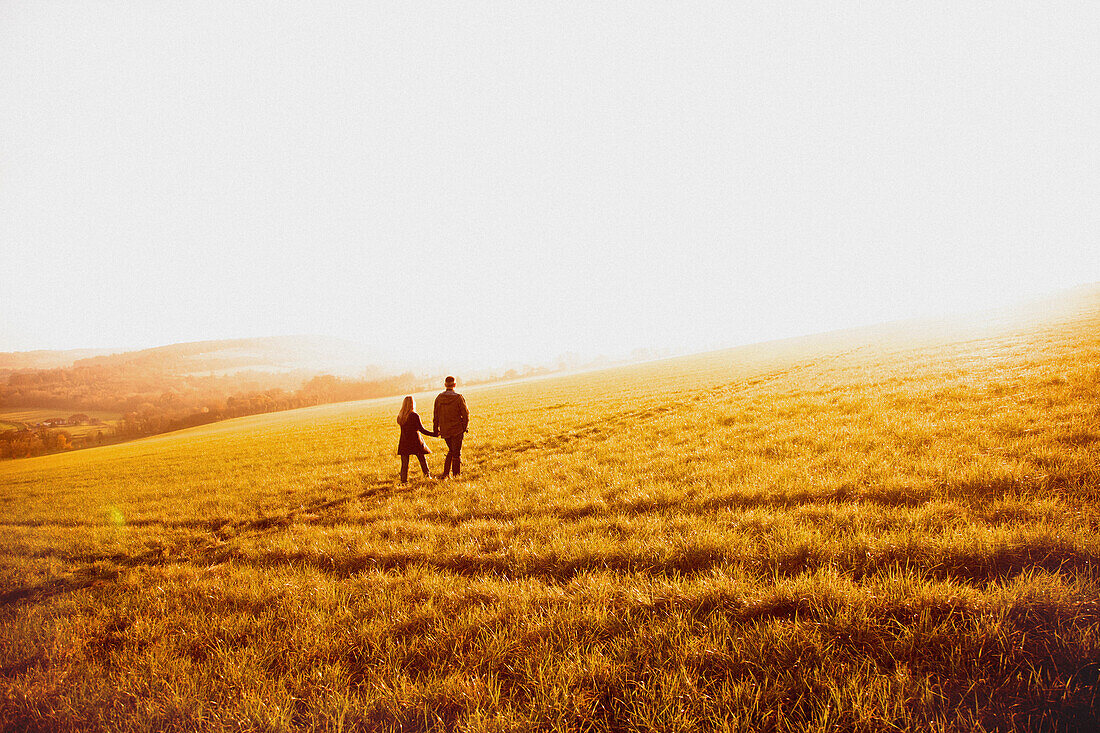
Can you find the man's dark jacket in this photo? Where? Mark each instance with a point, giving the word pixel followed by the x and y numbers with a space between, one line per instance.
pixel 451 416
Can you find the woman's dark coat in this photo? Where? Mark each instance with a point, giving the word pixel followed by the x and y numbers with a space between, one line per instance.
pixel 411 442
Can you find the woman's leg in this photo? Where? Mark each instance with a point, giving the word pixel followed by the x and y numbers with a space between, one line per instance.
pixel 424 464
pixel 404 469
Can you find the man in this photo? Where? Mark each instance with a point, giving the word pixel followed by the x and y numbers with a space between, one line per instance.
pixel 450 420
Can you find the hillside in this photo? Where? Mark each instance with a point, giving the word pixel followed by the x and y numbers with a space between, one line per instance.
pixel 882 529
pixel 11 361
pixel 276 354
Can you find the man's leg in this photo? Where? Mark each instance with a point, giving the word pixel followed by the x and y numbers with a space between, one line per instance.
pixel 447 460
pixel 454 446
pixel 404 469
pixel 423 464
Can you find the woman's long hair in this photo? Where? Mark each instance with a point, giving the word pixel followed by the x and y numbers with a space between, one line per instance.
pixel 407 406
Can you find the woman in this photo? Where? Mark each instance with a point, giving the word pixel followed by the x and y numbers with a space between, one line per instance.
pixel 411 442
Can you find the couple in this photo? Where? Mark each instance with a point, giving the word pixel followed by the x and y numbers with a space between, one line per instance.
pixel 449 421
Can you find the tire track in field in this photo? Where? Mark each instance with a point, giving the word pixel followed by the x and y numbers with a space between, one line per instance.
pixel 604 427
pixel 606 423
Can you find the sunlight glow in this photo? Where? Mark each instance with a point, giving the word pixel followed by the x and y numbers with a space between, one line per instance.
pixel 509 182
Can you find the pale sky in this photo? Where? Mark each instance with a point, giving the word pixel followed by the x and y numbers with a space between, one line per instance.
pixel 509 181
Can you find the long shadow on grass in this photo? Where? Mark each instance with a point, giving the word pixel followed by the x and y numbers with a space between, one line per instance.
pixel 547 568
pixel 999 565
pixel 105 567
pixel 646 505
pixel 371 490
pixel 80 578
pixel 226 527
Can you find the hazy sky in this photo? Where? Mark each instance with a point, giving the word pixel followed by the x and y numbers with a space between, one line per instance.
pixel 509 181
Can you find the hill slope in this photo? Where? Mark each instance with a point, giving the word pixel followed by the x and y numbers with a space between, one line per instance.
pixel 880 529
pixel 11 361
pixel 307 354
pixel 275 353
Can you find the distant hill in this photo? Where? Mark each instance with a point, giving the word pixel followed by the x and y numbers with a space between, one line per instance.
pixel 44 359
pixel 276 354
pixel 168 387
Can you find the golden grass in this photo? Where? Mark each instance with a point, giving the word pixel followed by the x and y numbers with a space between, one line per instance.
pixel 863 531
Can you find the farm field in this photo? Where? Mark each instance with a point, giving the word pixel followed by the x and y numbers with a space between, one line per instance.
pixel 19 418
pixel 34 415
pixel 891 528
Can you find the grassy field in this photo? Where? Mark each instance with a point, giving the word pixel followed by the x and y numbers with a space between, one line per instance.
pixel 887 529
pixel 33 415
pixel 20 418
